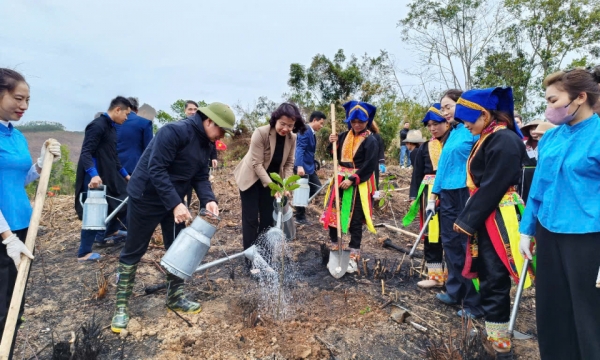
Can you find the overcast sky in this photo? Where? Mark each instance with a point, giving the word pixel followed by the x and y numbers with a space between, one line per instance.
pixel 78 54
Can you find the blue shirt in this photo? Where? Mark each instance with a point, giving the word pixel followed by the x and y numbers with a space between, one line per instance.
pixel 565 192
pixel 452 166
pixel 15 163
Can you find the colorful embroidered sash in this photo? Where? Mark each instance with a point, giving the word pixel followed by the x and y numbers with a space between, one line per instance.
pixel 434 226
pixel 351 144
pixel 435 151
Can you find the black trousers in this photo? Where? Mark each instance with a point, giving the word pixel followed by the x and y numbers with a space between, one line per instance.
pixel 356 223
pixel 143 216
pixel 315 184
pixel 452 203
pixel 494 281
pixel 257 212
pixel 8 277
pixel 567 300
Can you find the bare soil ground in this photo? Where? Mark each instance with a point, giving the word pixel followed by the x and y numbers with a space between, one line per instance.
pixel 331 319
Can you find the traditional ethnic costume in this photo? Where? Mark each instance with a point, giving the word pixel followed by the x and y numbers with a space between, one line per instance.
pixel 358 161
pixel 563 213
pixel 490 216
pixel 423 177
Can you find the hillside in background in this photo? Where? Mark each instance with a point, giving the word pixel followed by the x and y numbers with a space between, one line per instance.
pixel 71 139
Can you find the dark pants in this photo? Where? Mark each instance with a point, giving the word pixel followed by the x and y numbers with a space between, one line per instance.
pixel 8 277
pixel 494 281
pixel 452 203
pixel 257 212
pixel 315 184
pixel 567 300
pixel 144 215
pixel 356 223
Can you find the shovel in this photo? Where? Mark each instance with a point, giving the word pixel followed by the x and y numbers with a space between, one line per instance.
pixel 412 251
pixel 338 260
pixel 513 316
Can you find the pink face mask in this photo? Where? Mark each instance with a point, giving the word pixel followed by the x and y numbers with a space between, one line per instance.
pixel 559 116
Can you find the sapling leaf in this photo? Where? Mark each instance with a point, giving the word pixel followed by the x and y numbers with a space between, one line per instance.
pixel 274 186
pixel 381 202
pixel 275 176
pixel 292 179
pixel 293 187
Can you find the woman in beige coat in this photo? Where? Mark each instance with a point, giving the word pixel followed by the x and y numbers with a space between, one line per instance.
pixel 271 150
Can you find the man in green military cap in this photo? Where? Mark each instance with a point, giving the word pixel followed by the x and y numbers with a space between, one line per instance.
pixel 175 160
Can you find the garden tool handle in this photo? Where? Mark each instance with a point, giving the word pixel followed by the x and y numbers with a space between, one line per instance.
pixel 513 315
pixel 412 251
pixel 598 280
pixel 205 212
pixel 335 177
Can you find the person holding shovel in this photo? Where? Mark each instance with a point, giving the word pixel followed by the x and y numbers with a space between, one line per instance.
pixel 175 160
pixel 425 166
pixel 489 218
pixel 563 214
pixel 16 171
pixel 357 150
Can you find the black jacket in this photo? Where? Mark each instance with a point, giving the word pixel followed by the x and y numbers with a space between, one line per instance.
pixel 100 143
pixel 381 149
pixel 365 159
pixel 403 134
pixel 175 161
pixel 495 167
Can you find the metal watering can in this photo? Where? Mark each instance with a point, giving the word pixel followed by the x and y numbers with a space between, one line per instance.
pixel 189 247
pixel 302 193
pixel 288 225
pixel 95 209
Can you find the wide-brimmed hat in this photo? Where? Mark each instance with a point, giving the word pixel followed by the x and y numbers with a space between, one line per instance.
pixel 526 129
pixel 359 110
pixel 472 102
pixel 434 113
pixel 414 136
pixel 221 114
pixel 542 128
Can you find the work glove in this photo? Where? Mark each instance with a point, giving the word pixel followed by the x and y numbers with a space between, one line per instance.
pixel 14 249
pixel 525 246
pixel 53 147
pixel 382 168
pixel 430 209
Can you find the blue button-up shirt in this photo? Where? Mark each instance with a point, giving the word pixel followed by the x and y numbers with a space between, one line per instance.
pixel 565 192
pixel 452 167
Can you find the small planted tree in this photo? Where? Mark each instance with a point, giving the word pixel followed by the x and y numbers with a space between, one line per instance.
pixel 281 186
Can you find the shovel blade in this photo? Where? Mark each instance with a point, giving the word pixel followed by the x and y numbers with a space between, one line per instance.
pixel 517 335
pixel 338 264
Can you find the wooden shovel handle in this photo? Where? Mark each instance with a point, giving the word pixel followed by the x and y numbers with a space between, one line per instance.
pixel 335 176
pixel 17 296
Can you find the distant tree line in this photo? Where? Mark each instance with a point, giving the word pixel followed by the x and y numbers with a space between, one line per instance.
pixel 41 126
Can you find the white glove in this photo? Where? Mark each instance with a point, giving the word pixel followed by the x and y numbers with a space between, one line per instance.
pixel 430 207
pixel 53 147
pixel 525 245
pixel 14 249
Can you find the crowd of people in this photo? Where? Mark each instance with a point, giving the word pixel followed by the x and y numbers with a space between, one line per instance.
pixel 493 192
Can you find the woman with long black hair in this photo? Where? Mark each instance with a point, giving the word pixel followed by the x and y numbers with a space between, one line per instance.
pixel 16 171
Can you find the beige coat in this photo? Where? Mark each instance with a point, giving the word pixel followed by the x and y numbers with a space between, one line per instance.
pixel 256 161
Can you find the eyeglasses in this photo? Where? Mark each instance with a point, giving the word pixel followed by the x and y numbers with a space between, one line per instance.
pixel 286 126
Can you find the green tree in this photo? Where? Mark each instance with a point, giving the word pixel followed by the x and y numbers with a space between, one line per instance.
pixel 249 118
pixel 62 176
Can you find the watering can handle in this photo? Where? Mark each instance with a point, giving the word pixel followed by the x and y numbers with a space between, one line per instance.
pixel 81 198
pixel 205 212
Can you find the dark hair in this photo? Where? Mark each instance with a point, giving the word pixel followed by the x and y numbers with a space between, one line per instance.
pixel 517 115
pixel 135 103
pixel 577 81
pixel 374 128
pixel 317 115
pixel 190 102
pixel 9 80
pixel 290 110
pixel 453 94
pixel 121 102
pixel 503 116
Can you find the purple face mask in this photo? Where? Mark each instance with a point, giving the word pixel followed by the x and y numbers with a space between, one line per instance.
pixel 559 116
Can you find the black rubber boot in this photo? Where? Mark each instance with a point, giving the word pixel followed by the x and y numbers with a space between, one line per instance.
pixel 176 300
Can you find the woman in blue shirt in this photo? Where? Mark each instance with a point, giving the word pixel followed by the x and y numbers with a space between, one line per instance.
pixel 563 213
pixel 451 187
pixel 16 171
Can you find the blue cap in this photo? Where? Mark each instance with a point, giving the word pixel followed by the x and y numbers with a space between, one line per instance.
pixel 473 102
pixel 358 110
pixel 434 114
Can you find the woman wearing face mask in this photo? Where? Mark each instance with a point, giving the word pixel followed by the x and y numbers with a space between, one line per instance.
pixel 271 150
pixel 423 176
pixel 489 218
pixel 16 171
pixel 451 187
pixel 357 154
pixel 563 213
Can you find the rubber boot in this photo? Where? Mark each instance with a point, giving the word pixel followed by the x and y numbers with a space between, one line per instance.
pixel 176 300
pixel 126 279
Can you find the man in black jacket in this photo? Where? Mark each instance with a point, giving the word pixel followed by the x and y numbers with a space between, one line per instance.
pixel 99 165
pixel 174 161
